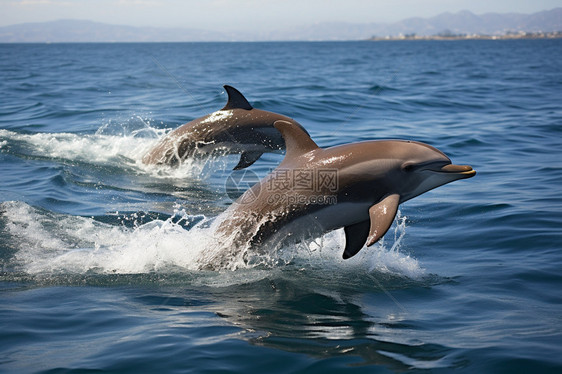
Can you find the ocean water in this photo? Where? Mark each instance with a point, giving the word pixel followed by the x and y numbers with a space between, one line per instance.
pixel 99 254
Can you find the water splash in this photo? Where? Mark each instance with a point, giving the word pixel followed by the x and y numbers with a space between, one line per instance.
pixel 49 243
pixel 115 144
pixel 393 260
pixel 56 243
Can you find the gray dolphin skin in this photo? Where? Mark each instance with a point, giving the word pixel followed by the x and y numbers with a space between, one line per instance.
pixel 356 186
pixel 236 128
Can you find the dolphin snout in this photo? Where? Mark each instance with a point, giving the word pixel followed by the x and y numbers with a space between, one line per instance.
pixel 466 170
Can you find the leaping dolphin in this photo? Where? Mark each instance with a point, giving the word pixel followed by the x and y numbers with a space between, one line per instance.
pixel 356 186
pixel 236 128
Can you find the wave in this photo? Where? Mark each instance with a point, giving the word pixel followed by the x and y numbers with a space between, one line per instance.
pixel 112 146
pixel 42 243
pixel 98 148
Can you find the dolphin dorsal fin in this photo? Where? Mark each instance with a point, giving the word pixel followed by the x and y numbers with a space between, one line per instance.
pixel 297 140
pixel 235 99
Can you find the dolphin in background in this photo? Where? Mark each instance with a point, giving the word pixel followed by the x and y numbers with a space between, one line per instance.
pixel 313 191
pixel 236 128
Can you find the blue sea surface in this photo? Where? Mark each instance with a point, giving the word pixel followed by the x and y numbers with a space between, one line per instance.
pixel 99 253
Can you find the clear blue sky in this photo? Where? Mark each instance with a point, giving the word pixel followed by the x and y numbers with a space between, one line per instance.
pixel 225 15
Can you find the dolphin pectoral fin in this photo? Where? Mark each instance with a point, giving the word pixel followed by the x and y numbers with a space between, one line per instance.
pixel 247 159
pixel 382 215
pixel 355 238
pixel 297 140
pixel 235 99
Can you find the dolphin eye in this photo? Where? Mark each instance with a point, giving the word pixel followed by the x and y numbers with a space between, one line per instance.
pixel 408 167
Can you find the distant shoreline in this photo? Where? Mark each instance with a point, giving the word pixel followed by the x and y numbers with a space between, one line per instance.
pixel 375 39
pixel 510 36
pixel 443 36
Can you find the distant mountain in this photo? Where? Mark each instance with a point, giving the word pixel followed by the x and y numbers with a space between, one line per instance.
pixel 463 22
pixel 88 31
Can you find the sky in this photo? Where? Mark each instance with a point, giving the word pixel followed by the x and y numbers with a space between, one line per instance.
pixel 249 15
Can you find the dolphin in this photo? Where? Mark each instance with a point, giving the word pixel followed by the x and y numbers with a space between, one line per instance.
pixel 236 128
pixel 315 190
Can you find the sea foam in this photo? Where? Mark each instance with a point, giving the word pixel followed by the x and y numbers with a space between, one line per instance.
pixel 118 145
pixel 53 243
